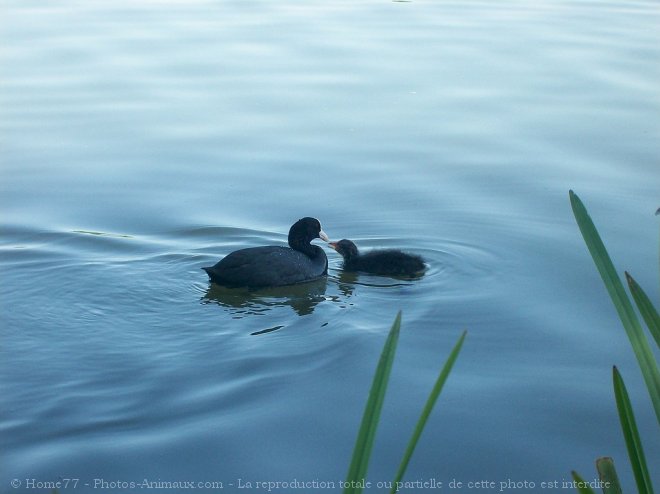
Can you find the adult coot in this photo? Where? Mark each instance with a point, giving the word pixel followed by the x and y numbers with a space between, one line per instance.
pixel 273 265
pixel 388 262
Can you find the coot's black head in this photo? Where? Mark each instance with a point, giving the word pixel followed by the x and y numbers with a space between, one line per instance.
pixel 345 248
pixel 304 231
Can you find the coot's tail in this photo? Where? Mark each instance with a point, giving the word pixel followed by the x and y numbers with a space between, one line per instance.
pixel 209 271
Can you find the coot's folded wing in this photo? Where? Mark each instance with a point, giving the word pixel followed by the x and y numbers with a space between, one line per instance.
pixel 264 266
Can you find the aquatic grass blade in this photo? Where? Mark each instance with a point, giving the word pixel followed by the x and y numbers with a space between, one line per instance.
pixel 362 451
pixel 620 299
pixel 608 476
pixel 631 435
pixel 646 308
pixel 426 411
pixel 582 487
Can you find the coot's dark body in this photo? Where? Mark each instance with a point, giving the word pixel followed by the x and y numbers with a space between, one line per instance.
pixel 273 265
pixel 389 262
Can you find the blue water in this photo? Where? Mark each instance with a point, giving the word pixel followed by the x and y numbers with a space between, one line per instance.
pixel 139 142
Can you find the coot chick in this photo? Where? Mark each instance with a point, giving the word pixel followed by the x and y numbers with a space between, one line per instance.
pixel 388 262
pixel 273 265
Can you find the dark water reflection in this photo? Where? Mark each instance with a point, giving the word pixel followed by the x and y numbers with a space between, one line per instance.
pixel 347 281
pixel 302 298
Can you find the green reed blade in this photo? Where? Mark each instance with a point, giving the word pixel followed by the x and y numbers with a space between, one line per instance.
pixel 357 471
pixel 608 476
pixel 621 301
pixel 631 435
pixel 646 309
pixel 426 411
pixel 582 487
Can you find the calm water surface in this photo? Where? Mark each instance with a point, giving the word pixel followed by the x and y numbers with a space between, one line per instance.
pixel 140 142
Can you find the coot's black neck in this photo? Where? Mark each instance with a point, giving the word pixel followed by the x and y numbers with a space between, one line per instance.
pixel 303 245
pixel 350 256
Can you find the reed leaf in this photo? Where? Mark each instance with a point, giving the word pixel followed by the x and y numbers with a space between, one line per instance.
pixel 631 435
pixel 582 486
pixel 646 309
pixel 621 301
pixel 426 411
pixel 357 471
pixel 608 476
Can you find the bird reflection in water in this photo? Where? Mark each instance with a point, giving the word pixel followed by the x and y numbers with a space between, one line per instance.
pixel 348 281
pixel 242 302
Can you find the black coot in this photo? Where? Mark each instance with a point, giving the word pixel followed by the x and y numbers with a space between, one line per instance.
pixel 273 265
pixel 388 262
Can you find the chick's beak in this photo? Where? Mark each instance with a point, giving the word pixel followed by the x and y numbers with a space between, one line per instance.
pixel 333 245
pixel 323 236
